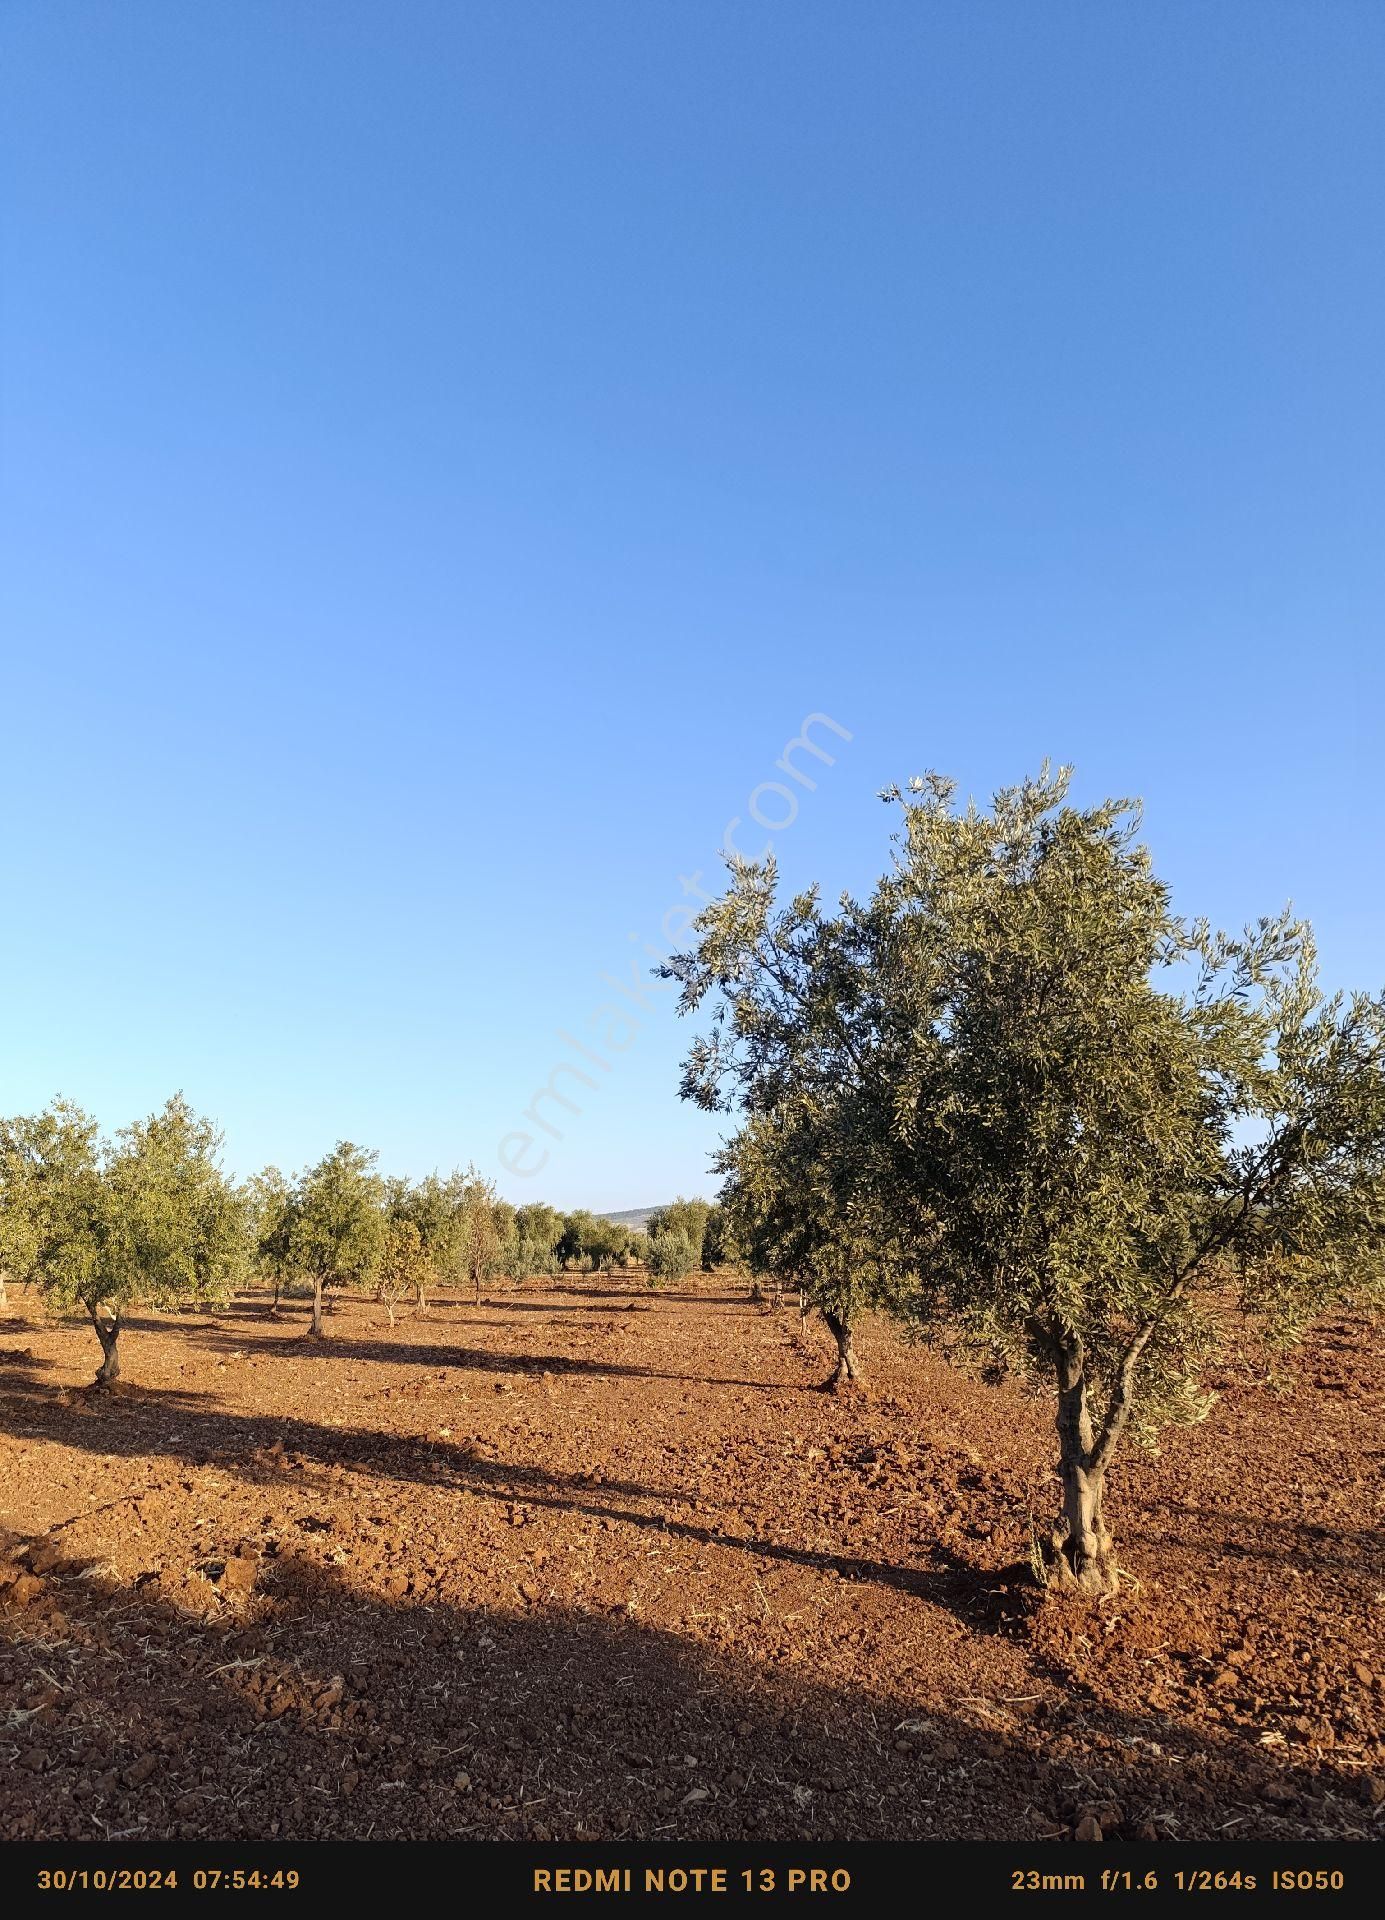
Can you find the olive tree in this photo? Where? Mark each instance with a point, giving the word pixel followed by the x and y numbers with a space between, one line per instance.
pixel 270 1203
pixel 338 1228
pixel 55 1208
pixel 594 1242
pixel 672 1254
pixel 403 1265
pixel 1104 1124
pixel 538 1228
pixel 433 1207
pixel 505 1260
pixel 478 1230
pixel 105 1226
pixel 1122 1122
pixel 804 1208
pixel 714 1246
pixel 687 1218
pixel 798 1045
pixel 20 1162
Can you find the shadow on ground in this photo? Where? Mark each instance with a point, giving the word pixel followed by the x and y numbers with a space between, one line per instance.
pixel 153 1423
pixel 303 1707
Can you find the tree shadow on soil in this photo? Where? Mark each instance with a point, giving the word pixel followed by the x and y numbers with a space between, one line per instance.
pixel 19 1361
pixel 1358 1552
pixel 145 1423
pixel 292 1703
pixel 442 1356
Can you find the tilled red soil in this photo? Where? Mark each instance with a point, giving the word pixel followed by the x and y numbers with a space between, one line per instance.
pixel 593 1562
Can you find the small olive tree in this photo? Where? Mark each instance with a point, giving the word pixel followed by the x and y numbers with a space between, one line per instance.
pixel 403 1265
pixel 479 1239
pixel 538 1229
pixel 269 1203
pixel 687 1218
pixel 672 1254
pixel 338 1227
pixel 802 1207
pixel 104 1226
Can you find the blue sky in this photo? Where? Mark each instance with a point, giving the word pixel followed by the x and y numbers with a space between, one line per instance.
pixel 449 449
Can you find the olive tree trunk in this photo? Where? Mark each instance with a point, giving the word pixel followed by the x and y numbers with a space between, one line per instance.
pixel 1083 1553
pixel 847 1370
pixel 316 1327
pixel 108 1333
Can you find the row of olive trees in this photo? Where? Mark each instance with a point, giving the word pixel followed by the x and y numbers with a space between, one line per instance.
pixel 340 1224
pixel 589 1243
pixel 1014 1099
pixel 149 1217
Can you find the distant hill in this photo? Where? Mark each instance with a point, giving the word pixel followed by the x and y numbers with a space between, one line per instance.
pixel 633 1217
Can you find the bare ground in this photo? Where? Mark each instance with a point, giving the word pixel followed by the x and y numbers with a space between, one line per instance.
pixel 588 1561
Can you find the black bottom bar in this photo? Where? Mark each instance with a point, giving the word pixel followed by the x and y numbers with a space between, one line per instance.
pixel 824 1878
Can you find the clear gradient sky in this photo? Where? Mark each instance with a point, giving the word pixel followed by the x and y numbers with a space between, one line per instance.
pixel 450 447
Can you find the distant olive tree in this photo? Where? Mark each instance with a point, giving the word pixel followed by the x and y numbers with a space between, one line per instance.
pixel 403 1263
pixel 591 1243
pixel 714 1242
pixel 672 1254
pixel 538 1229
pixel 431 1207
pixel 338 1229
pixel 479 1236
pixel 29 1147
pixel 686 1217
pixel 505 1260
pixel 804 1210
pixel 269 1204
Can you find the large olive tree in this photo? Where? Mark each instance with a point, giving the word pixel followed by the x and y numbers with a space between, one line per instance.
pixel 1123 1123
pixel 1105 1124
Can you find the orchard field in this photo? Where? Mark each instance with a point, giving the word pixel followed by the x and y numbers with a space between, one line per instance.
pixel 591 1559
